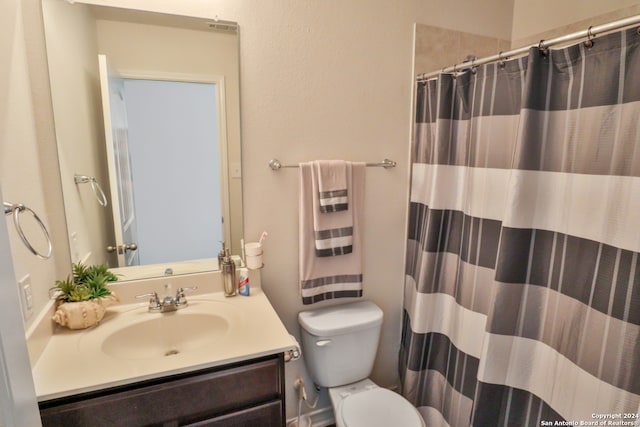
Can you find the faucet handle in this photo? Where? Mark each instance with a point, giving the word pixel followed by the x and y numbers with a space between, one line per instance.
pixel 154 302
pixel 180 298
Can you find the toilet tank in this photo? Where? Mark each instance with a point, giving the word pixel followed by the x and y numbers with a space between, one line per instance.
pixel 339 343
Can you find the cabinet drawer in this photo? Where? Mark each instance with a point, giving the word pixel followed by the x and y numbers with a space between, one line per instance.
pixel 267 415
pixel 198 396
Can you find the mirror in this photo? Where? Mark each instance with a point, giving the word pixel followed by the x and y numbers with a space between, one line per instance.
pixel 172 90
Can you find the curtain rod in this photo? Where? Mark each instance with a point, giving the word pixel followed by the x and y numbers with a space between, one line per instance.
pixel 589 33
pixel 275 164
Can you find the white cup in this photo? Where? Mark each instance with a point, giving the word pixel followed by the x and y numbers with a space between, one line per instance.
pixel 254 262
pixel 253 248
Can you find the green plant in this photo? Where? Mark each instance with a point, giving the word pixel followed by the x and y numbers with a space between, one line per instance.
pixel 87 282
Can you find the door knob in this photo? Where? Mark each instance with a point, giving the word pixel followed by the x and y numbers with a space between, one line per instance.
pixel 121 249
pixel 130 247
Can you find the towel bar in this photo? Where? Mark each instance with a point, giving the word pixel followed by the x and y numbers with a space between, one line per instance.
pixel 275 164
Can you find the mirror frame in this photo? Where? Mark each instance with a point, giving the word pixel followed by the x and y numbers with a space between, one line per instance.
pixel 234 168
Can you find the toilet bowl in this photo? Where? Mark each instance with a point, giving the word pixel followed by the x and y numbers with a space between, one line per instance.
pixel 339 344
pixel 366 404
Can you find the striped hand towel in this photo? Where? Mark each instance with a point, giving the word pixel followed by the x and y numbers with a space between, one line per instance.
pixel 332 185
pixel 333 230
pixel 323 278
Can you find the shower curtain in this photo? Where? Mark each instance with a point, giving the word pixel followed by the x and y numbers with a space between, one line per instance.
pixel 522 291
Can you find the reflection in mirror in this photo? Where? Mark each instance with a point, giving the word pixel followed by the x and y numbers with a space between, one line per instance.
pixel 156 122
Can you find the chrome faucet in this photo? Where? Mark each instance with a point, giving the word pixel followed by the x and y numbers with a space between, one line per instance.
pixel 168 303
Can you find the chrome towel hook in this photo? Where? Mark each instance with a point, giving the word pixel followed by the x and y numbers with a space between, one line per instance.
pixel 97 190
pixel 14 209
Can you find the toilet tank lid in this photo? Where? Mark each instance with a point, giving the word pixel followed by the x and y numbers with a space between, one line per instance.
pixel 341 319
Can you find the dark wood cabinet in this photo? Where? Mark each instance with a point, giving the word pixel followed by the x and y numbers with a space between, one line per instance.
pixel 247 394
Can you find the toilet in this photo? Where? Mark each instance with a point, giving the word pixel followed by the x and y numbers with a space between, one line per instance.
pixel 339 344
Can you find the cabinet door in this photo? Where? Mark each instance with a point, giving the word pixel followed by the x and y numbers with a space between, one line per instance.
pixel 173 401
pixel 267 415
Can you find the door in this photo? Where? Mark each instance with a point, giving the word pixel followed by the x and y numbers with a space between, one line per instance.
pixel 119 165
pixel 176 168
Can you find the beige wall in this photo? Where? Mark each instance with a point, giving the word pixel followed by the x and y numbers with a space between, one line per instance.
pixel 436 47
pixel 536 20
pixel 72 56
pixel 28 159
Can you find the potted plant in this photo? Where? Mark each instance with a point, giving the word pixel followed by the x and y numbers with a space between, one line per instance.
pixel 84 297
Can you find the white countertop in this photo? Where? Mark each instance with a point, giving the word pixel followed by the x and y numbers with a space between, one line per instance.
pixel 74 362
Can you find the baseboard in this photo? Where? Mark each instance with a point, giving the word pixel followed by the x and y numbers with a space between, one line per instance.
pixel 319 418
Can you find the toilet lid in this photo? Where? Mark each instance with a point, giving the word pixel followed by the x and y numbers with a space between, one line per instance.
pixel 379 407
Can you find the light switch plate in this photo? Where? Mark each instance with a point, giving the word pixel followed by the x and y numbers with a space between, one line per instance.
pixel 26 296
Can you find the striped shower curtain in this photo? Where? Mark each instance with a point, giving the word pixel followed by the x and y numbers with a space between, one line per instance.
pixel 522 292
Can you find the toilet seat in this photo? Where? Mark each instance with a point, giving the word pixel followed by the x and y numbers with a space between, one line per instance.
pixel 378 407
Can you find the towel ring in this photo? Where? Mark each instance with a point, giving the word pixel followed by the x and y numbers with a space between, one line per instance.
pixel 95 186
pixel 14 209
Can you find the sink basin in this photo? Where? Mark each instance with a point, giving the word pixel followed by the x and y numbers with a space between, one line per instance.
pixel 166 335
pixel 135 334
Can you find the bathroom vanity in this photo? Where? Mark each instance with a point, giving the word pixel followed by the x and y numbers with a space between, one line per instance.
pixel 217 362
pixel 248 393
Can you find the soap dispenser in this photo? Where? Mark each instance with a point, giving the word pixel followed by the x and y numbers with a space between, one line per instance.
pixel 229 281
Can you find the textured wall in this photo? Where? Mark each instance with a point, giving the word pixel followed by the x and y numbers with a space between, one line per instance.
pixel 535 20
pixel 29 171
pixel 436 48
pixel 79 127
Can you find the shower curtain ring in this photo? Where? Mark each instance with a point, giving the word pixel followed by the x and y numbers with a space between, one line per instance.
pixel 474 68
pixel 590 36
pixel 542 48
pixel 501 60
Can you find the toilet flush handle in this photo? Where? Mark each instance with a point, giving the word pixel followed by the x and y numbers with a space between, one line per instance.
pixel 323 343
